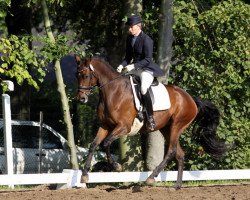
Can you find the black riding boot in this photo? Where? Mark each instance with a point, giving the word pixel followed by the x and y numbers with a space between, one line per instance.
pixel 149 110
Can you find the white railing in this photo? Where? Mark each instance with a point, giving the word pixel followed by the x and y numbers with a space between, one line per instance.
pixel 71 178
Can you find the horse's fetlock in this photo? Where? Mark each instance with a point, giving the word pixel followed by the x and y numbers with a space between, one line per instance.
pixel 106 143
pixel 84 178
pixel 117 167
pixel 150 181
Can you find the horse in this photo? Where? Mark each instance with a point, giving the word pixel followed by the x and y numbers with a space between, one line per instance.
pixel 117 111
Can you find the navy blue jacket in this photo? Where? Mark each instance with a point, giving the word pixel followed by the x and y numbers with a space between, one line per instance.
pixel 142 54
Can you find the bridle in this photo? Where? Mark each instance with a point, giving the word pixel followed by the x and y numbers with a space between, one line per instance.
pixel 91 87
pixel 92 74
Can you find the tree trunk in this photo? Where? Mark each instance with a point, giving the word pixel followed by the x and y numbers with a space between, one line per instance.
pixel 155 143
pixel 155 150
pixel 130 147
pixel 165 37
pixel 61 90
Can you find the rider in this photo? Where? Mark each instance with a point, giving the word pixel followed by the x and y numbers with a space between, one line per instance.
pixel 138 61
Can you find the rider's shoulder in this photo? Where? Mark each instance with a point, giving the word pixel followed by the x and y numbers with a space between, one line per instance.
pixel 145 36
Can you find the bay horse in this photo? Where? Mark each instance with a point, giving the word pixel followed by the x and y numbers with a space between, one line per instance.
pixel 117 111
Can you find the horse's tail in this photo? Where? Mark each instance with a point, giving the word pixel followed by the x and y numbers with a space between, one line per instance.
pixel 205 126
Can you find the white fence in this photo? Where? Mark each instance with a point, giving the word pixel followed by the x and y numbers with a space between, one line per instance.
pixel 71 178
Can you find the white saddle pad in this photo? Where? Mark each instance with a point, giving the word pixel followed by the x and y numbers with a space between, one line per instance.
pixel 161 97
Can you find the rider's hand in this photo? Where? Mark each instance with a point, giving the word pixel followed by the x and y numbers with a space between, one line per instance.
pixel 119 68
pixel 130 67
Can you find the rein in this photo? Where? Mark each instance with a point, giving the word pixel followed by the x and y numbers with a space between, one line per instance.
pixel 90 88
pixel 101 86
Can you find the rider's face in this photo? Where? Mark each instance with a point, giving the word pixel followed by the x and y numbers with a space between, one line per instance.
pixel 134 30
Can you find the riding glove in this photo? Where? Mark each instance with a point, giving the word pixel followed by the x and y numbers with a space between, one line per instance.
pixel 119 68
pixel 130 67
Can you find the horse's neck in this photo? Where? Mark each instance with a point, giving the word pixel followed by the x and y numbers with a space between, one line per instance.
pixel 106 78
pixel 105 74
pixel 110 82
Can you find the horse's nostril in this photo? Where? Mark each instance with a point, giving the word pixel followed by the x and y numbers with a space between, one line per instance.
pixel 83 99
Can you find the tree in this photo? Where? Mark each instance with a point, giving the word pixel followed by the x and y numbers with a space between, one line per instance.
pixel 18 23
pixel 4 4
pixel 212 44
pixel 131 160
pixel 18 60
pixel 61 90
pixel 165 38
pixel 155 140
pixel 210 54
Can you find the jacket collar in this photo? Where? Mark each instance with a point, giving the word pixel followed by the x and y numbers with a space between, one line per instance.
pixel 138 39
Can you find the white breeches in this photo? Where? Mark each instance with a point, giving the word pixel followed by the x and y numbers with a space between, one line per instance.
pixel 146 79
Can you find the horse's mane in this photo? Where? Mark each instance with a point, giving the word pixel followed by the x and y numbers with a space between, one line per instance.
pixel 107 65
pixel 103 60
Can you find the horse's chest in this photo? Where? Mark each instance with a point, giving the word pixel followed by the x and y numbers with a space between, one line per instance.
pixel 104 114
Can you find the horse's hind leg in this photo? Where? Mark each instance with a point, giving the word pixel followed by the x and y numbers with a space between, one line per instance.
pixel 179 154
pixel 180 161
pixel 174 150
pixel 101 135
pixel 169 156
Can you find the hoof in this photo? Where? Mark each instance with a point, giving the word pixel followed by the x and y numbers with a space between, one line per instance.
pixel 85 178
pixel 117 167
pixel 177 187
pixel 150 181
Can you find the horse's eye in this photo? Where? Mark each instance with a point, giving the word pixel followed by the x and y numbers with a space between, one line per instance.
pixel 86 76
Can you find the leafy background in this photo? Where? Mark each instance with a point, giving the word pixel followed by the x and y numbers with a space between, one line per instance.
pixel 210 60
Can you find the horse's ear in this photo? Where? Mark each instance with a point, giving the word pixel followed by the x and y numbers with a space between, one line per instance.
pixel 78 59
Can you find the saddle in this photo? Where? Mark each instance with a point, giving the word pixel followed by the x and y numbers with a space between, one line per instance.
pixel 157 89
pixel 137 84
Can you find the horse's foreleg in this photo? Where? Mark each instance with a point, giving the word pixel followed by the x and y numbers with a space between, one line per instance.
pixel 115 134
pixel 117 167
pixel 87 165
pixel 101 134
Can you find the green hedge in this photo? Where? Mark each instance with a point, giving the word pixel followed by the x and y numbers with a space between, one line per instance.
pixel 213 46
